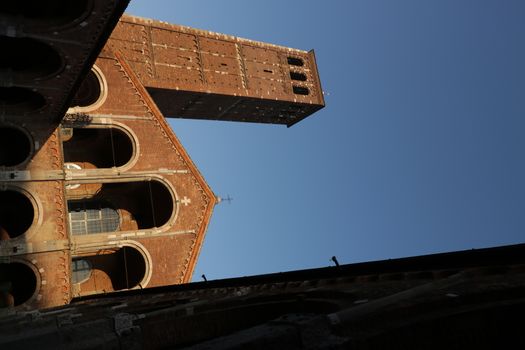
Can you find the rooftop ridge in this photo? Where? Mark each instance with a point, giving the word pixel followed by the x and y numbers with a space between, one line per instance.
pixel 186 29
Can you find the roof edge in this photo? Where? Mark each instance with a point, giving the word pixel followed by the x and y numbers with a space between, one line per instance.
pixel 126 17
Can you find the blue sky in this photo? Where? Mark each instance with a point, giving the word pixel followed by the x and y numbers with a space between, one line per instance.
pixel 419 150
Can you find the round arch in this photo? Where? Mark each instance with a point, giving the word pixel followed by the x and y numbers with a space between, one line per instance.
pixel 152 201
pixel 122 265
pixel 19 283
pixel 92 92
pixel 19 213
pixel 16 146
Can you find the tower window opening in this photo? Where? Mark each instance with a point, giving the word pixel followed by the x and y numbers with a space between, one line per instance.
pixel 18 283
pixel 300 90
pixel 15 146
pixel 16 214
pixel 298 76
pixel 295 61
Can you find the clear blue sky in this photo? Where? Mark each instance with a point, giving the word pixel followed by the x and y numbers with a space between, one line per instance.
pixel 420 148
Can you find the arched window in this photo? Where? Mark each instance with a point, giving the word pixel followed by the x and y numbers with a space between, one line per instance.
pixel 300 90
pixel 15 146
pixel 110 270
pixel 18 283
pixel 119 206
pixel 100 148
pixel 87 217
pixel 92 92
pixel 298 76
pixel 295 61
pixel 16 214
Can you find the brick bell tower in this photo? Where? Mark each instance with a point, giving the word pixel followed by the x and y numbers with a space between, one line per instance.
pixel 198 74
pixel 96 192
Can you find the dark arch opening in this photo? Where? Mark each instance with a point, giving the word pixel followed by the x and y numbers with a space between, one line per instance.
pixel 46 14
pixel 27 59
pixel 295 61
pixel 15 146
pixel 20 100
pixel 89 91
pixel 98 147
pixel 298 76
pixel 17 284
pixel 300 90
pixel 124 268
pixel 141 205
pixel 16 214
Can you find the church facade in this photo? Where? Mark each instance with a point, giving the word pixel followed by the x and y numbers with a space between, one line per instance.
pixel 97 194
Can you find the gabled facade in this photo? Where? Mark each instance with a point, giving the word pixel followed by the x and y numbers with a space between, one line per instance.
pixel 137 206
pixel 97 194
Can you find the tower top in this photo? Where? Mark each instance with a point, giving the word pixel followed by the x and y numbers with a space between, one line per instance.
pixel 198 74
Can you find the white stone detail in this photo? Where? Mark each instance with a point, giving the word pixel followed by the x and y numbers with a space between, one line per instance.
pixel 186 201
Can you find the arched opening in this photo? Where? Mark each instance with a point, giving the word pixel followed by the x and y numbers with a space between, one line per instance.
pixel 300 90
pixel 295 61
pixel 109 271
pixel 98 148
pixel 91 92
pixel 298 76
pixel 45 14
pixel 15 146
pixel 121 206
pixel 18 283
pixel 16 214
pixel 20 100
pixel 27 59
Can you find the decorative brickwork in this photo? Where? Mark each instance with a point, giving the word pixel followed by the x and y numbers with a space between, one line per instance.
pixel 108 199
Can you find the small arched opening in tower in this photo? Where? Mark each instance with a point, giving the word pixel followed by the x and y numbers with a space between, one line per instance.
pixel 124 268
pixel 17 100
pixel 45 15
pixel 16 214
pixel 300 90
pixel 15 146
pixel 26 59
pixel 18 284
pixel 295 61
pixel 137 205
pixel 98 148
pixel 298 76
